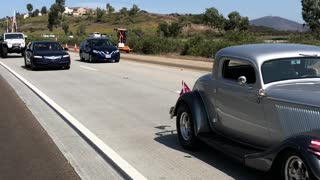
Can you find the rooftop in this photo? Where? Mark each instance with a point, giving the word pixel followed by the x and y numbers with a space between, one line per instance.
pixel 258 53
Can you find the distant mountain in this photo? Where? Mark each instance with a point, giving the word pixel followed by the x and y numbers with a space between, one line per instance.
pixel 278 23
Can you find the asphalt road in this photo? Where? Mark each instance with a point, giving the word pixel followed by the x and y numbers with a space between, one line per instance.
pixel 126 105
pixel 26 150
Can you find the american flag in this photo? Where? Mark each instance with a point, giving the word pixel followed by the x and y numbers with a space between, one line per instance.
pixel 185 88
pixel 14 23
pixel 7 28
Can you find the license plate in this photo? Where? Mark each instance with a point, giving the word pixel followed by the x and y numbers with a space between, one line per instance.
pixel 108 56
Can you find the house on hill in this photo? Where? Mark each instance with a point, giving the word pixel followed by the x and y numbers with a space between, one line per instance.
pixel 76 11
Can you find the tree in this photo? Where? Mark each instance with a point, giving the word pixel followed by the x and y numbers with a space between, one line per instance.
pixel 134 10
pixel 81 30
pixel 109 8
pixel 60 5
pixel 213 18
pixel 99 14
pixel 65 27
pixel 53 16
pixel 169 30
pixel 163 29
pixel 175 29
pixel 311 15
pixel 44 10
pixel 236 22
pixel 35 13
pixel 123 11
pixel 29 8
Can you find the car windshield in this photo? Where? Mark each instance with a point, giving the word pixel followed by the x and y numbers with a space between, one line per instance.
pixel 100 42
pixel 47 46
pixel 294 68
pixel 13 36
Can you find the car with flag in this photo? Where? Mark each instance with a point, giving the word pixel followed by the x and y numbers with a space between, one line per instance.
pixel 46 54
pixel 99 50
pixel 261 106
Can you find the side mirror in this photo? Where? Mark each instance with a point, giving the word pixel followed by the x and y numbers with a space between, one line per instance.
pixel 242 80
pixel 66 49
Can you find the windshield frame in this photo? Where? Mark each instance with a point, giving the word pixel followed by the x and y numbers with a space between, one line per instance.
pixel 291 78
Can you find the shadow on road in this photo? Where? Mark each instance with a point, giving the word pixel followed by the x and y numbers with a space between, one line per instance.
pixel 44 68
pixel 95 62
pixel 208 155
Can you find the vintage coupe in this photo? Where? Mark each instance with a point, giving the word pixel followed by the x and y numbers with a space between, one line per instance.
pixel 260 105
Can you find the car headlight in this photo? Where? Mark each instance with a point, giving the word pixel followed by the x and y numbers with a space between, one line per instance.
pixel 95 51
pixel 116 51
pixel 37 57
pixel 66 56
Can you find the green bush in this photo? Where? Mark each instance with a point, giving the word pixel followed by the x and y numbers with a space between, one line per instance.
pixel 201 45
pixel 151 44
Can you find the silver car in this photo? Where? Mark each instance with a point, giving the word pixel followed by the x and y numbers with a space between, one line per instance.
pixel 260 105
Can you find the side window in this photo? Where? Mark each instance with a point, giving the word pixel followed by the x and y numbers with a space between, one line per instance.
pixel 233 69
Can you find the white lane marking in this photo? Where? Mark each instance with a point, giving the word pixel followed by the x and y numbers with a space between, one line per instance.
pixel 98 143
pixel 86 67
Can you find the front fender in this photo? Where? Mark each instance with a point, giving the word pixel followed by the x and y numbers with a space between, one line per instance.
pixel 199 115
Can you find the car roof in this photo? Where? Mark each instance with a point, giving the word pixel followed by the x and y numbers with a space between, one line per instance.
pixel 258 53
pixel 44 42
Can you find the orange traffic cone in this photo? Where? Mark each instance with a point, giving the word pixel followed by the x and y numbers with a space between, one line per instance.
pixel 66 46
pixel 75 49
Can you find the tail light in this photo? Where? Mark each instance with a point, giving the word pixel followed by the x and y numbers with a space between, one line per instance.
pixel 314 147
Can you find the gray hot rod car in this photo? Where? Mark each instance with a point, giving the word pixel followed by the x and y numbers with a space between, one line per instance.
pixel 260 105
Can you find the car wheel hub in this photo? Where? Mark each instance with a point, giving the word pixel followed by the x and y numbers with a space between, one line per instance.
pixel 295 169
pixel 185 126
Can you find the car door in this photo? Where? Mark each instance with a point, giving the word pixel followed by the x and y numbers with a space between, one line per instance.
pixel 239 108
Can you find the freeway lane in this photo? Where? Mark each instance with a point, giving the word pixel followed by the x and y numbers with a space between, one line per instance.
pixel 126 105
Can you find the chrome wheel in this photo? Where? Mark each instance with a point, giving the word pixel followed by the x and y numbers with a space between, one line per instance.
pixel 185 127
pixel 295 169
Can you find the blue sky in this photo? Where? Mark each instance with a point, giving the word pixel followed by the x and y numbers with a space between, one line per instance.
pixel 290 9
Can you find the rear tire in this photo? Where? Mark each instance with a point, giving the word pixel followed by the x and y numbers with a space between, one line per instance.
pixel 185 128
pixel 294 166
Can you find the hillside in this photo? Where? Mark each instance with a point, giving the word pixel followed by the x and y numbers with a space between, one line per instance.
pixel 278 23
